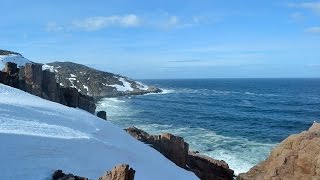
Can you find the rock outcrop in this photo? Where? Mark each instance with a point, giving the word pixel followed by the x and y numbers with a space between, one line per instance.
pixel 207 168
pixel 102 115
pixel 96 83
pixel 176 150
pixel 297 157
pixel 120 172
pixel 42 83
pixel 59 175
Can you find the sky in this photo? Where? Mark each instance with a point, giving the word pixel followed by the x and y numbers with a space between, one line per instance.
pixel 162 39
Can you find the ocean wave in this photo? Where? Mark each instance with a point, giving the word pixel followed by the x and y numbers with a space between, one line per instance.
pixel 240 153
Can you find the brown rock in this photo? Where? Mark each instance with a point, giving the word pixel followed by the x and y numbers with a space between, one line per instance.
pixel 11 68
pixel 33 78
pixel 69 97
pixel 172 147
pixel 207 168
pixel 59 175
pixel 297 157
pixel 102 115
pixel 120 172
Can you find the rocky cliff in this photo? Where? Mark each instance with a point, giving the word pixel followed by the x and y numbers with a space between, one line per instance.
pixel 96 83
pixel 297 157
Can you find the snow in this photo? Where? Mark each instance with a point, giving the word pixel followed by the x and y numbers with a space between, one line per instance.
pixel 38 136
pixel 86 87
pixel 15 58
pixel 72 75
pixel 125 87
pixel 142 86
pixel 72 83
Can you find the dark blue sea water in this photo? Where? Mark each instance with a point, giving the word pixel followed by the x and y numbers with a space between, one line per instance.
pixel 237 120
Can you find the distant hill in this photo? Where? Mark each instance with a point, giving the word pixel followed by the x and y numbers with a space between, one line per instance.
pixel 87 80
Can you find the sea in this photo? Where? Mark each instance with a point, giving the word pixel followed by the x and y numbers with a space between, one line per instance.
pixel 235 120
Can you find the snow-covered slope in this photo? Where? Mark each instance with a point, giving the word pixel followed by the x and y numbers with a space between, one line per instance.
pixel 39 136
pixel 8 56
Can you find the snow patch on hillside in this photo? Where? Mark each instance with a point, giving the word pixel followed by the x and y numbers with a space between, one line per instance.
pixel 15 58
pixel 125 87
pixel 38 136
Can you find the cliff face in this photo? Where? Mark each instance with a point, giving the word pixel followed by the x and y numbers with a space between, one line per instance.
pixel 96 83
pixel 297 157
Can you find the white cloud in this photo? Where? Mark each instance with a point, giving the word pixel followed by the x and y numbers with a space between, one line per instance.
pixel 313 30
pixel 314 6
pixel 100 22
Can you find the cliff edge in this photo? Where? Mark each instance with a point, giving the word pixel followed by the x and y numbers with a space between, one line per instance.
pixel 297 157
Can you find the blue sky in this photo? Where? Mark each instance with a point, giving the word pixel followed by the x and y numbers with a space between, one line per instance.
pixel 169 38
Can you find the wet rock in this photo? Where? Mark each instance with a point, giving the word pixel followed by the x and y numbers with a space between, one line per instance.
pixel 59 175
pixel 297 157
pixel 120 172
pixel 102 115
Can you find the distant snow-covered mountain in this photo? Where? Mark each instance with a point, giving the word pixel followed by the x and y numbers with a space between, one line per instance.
pixel 39 136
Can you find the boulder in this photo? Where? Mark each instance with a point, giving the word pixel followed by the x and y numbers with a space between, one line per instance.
pixel 102 115
pixel 207 168
pixel 59 175
pixel 297 157
pixel 33 78
pixel 120 172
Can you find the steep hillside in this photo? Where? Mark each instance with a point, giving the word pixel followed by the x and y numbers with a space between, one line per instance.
pixel 38 136
pixel 96 83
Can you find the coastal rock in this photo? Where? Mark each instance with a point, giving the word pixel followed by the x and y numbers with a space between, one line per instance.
pixel 175 149
pixel 172 147
pixel 297 157
pixel 120 172
pixel 69 97
pixel 207 168
pixel 102 115
pixel 59 175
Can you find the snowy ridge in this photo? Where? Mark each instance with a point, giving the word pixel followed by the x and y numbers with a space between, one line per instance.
pixel 15 58
pixel 40 136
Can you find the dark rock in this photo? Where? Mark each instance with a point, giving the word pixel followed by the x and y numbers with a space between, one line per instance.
pixel 207 168
pixel 59 175
pixel 87 103
pixel 33 78
pixel 11 68
pixel 22 79
pixel 49 86
pixel 11 78
pixel 120 172
pixel 102 115
pixel 69 97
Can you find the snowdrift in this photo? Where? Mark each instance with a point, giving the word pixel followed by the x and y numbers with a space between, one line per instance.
pixel 39 136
